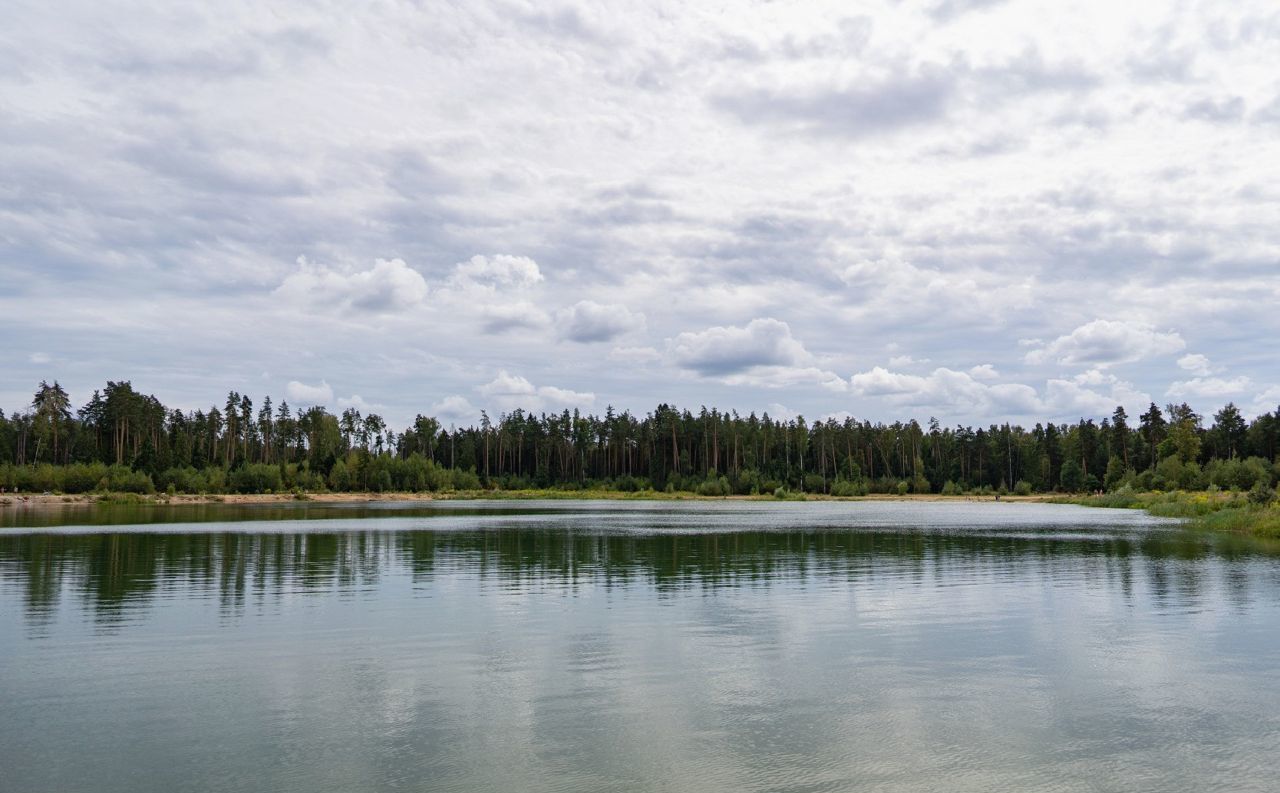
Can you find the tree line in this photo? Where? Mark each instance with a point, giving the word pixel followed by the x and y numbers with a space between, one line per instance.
pixel 124 440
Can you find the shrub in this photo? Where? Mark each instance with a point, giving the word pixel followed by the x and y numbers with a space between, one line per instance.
pixel 1022 487
pixel 1262 493
pixel 714 486
pixel 256 478
pixel 121 479
pixel 847 489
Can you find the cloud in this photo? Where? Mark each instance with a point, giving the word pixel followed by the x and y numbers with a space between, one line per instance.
pixel 499 290
pixel 358 403
pixel 855 110
pixel 984 371
pixel 390 285
pixel 1195 363
pixel 787 377
pixel 1091 393
pixel 907 174
pixel 780 412
pixel 888 284
pixel 949 392
pixel 1106 343
pixel 722 350
pixel 455 410
pixel 638 355
pixel 949 9
pixel 509 392
pixel 505 317
pixel 1215 109
pixel 1209 387
pixel 301 393
pixel 39 358
pixel 496 272
pixel 1266 401
pixel 1268 114
pixel 945 389
pixel 588 321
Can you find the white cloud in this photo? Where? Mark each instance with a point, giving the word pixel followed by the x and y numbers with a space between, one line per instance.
pixel 1090 396
pixel 358 402
pixel 949 392
pixel 780 412
pixel 787 377
pixel 589 321
pixel 455 410
pixel 390 285
pixel 1093 377
pixel 509 392
pixel 39 358
pixel 721 351
pixel 1266 401
pixel 945 390
pixel 881 382
pixel 1195 363
pixel 899 361
pixel 1207 387
pixel 984 371
pixel 888 286
pixel 518 315
pixel 495 272
pixel 1106 343
pixel 304 394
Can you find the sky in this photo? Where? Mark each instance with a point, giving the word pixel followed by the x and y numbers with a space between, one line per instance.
pixel 972 210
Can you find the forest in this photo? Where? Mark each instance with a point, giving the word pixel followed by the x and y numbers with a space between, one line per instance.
pixel 123 440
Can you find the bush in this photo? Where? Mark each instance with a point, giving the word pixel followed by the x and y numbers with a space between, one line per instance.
pixel 81 478
pixel 1022 488
pixel 714 487
pixel 122 479
pixel 256 478
pixel 1262 493
pixel 339 477
pixel 629 484
pixel 848 489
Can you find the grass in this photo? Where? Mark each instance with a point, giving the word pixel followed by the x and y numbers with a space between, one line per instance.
pixel 1210 511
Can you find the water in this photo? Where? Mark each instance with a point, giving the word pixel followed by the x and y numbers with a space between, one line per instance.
pixel 552 646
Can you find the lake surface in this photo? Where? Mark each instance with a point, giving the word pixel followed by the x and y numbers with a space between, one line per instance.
pixel 605 646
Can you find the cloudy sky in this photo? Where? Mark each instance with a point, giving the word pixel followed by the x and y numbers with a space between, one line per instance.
pixel 969 209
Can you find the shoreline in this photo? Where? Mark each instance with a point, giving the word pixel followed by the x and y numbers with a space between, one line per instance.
pixel 47 500
pixel 1221 512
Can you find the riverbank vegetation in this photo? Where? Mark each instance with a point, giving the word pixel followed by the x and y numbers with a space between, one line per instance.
pixel 1254 512
pixel 122 440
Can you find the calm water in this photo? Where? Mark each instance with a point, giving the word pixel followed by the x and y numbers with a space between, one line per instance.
pixel 634 646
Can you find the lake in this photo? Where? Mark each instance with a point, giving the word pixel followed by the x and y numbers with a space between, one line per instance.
pixel 633 646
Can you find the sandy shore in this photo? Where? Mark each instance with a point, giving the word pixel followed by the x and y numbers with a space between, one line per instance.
pixel 50 500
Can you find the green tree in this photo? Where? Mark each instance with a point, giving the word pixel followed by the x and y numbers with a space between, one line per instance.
pixel 52 411
pixel 1072 477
